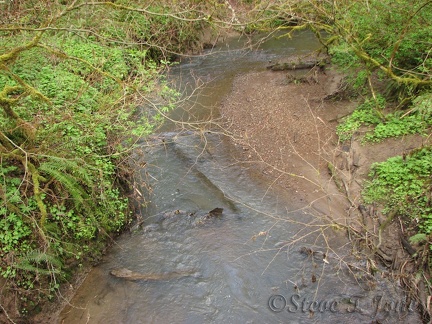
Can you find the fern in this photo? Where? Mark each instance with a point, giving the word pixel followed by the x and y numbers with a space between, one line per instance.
pixel 76 167
pixel 39 257
pixel 59 172
pixel 37 261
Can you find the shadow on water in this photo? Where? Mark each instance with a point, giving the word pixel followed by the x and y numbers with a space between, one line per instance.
pixel 264 260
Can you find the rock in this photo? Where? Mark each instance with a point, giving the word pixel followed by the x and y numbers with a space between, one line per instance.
pixel 214 213
pixel 173 213
pixel 355 159
pixel 135 227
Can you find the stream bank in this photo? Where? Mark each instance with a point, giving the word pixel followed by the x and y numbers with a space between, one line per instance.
pixel 286 131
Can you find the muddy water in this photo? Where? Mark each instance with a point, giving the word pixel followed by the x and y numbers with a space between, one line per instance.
pixel 266 259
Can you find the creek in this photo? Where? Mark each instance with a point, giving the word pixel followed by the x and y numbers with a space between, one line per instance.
pixel 266 259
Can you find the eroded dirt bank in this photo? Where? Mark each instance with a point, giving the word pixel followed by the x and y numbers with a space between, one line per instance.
pixel 286 130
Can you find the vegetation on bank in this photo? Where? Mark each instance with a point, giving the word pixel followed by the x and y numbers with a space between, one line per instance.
pixel 389 48
pixel 80 84
pixel 385 48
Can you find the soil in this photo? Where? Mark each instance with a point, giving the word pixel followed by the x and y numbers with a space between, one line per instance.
pixel 287 131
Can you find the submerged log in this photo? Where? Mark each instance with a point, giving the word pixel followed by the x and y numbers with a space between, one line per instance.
pixel 297 63
pixel 133 276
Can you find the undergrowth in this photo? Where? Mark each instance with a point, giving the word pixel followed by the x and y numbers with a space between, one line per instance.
pixel 74 101
pixel 403 185
pixel 392 70
pixel 417 120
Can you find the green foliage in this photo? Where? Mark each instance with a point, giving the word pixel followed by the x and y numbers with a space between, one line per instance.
pixel 269 21
pixel 161 36
pixel 14 233
pixel 345 59
pixel 378 38
pixel 97 55
pixel 394 30
pixel 418 238
pixel 78 107
pixel 40 263
pixel 15 230
pixel 416 121
pixel 365 114
pixel 343 56
pixel 422 106
pixel 403 185
pixel 395 126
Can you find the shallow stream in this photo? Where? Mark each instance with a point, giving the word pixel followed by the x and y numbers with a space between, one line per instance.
pixel 266 259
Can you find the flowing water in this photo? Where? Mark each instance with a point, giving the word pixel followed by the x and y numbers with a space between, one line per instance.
pixel 266 259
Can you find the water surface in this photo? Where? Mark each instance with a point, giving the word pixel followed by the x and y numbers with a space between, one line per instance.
pixel 267 259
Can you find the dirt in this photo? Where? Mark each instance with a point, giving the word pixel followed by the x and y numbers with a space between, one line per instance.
pixel 50 310
pixel 287 131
